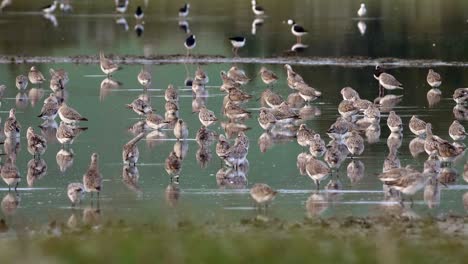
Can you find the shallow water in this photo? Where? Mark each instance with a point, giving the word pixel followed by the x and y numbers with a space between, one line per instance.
pixel 200 196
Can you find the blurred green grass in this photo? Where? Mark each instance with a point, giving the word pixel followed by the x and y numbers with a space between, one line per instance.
pixel 252 241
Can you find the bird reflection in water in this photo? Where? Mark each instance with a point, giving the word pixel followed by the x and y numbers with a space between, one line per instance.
pixel 37 169
pixel 316 205
pixel 10 203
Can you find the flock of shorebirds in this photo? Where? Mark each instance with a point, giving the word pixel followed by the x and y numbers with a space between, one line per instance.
pixel 359 121
pixel 278 116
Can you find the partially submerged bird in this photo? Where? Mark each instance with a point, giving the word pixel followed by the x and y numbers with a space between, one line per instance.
pixel 262 193
pixel 75 192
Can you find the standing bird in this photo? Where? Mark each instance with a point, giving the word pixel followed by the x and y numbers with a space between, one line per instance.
pixel 386 81
pixel 297 30
pixel 37 144
pixel 12 127
pixel 173 166
pixel 66 134
pixel 35 76
pixel 190 43
pixel 268 77
pixel 139 13
pixel 130 152
pixel 262 194
pixel 317 170
pixel 75 192
pixel 180 130
pixel 184 11
pixel 50 108
pixel 144 78
pixel 457 131
pixel 433 79
pixel 21 82
pixel 107 65
pixel 92 179
pixel 237 42
pixel 257 10
pixel 355 143
pixel 69 115
pixel 362 10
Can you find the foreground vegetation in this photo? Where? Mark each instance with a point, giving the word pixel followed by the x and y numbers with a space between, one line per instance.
pixel 259 240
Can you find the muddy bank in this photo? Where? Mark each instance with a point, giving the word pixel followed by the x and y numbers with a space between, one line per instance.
pixel 203 59
pixel 257 240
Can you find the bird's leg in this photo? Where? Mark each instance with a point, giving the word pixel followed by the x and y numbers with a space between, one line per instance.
pixel 412 202
pixel 317 184
pixel 16 186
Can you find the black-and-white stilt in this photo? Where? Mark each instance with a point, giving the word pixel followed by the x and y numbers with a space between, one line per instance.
pixel 297 30
pixel 50 8
pixel 190 43
pixel 237 42
pixel 184 11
